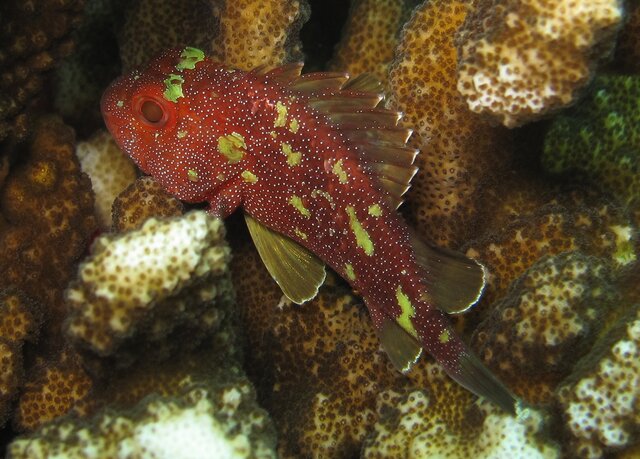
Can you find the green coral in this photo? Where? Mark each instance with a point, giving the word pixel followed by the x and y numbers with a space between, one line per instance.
pixel 600 138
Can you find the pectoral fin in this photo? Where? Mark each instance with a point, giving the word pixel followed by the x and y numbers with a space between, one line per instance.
pixel 298 272
pixel 454 282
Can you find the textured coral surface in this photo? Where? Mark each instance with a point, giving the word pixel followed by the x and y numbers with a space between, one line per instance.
pixel 521 59
pixel 157 358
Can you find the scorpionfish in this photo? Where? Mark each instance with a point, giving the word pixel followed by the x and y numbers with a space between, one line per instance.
pixel 319 169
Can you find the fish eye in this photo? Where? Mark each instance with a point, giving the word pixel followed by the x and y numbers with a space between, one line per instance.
pixel 151 112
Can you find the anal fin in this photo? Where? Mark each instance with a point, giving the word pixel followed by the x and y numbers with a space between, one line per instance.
pixel 402 348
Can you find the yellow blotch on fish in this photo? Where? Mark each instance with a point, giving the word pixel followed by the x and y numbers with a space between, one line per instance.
pixel 302 235
pixel 404 319
pixel 375 210
pixel 232 146
pixel 296 202
pixel 249 177
pixel 362 237
pixel 293 157
pixel 294 125
pixel 192 175
pixel 348 270
pixel 339 171
pixel 281 118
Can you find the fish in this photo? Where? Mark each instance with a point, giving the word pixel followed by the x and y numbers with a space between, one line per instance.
pixel 319 168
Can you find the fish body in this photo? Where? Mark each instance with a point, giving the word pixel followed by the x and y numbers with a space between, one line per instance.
pixel 292 152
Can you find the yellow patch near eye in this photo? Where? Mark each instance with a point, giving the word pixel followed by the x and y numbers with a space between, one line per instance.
pixel 297 203
pixel 362 237
pixel 190 57
pixel 192 175
pixel 407 312
pixel 281 119
pixel 375 210
pixel 173 87
pixel 300 234
pixel 249 177
pixel 232 146
pixel 181 134
pixel 293 157
pixel 120 104
pixel 348 270
pixel 444 337
pixel 294 126
pixel 339 171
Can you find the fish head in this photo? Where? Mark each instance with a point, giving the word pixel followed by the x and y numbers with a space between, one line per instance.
pixel 161 116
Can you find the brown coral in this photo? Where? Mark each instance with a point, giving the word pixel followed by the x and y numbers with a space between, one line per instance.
pixel 143 199
pixel 141 291
pixel 522 59
pixel 370 37
pixel 459 153
pixel 601 400
pixel 151 27
pixel 20 320
pixel 48 208
pixel 545 322
pixel 258 32
pixel 110 171
pixel 54 387
pixel 213 418
pixel 34 35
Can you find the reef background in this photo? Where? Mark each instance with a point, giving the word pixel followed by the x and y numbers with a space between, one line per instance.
pixel 530 158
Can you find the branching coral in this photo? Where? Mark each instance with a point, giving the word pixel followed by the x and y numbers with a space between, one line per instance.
pixel 20 320
pixel 151 286
pixel 370 37
pixel 408 428
pixel 459 153
pixel 33 36
pixel 259 32
pixel 53 388
pixel 549 315
pixel 599 139
pixel 143 199
pixel 110 170
pixel 47 205
pixel 223 420
pixel 521 59
pixel 601 400
pixel 151 27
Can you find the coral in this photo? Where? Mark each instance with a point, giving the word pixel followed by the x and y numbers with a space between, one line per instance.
pixel 370 36
pixel 408 428
pixel 628 48
pixel 53 388
pixel 151 27
pixel 222 419
pixel 460 154
pixel 521 59
pixel 546 321
pixel 259 32
pixel 20 320
pixel 80 78
pixel 569 222
pixel 141 292
pixel 599 139
pixel 47 206
pixel 34 35
pixel 143 199
pixel 601 400
pixel 110 170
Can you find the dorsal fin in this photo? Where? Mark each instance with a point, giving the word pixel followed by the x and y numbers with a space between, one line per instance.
pixel 364 82
pixel 316 82
pixel 286 73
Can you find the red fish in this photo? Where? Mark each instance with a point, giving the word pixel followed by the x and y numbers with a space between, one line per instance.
pixel 319 169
